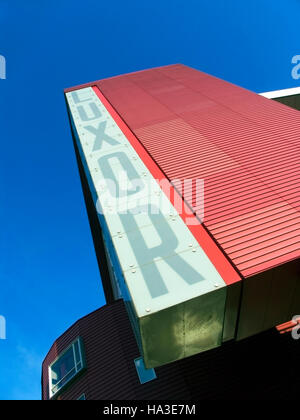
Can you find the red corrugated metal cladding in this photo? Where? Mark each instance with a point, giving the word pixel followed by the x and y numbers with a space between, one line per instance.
pixel 246 149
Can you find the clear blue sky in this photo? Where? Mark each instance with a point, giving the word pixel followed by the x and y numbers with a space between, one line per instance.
pixel 48 272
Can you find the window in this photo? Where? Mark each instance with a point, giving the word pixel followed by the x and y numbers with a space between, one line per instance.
pixel 82 397
pixel 67 365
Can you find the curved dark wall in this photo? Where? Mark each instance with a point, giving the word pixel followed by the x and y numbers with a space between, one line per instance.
pixel 110 350
pixel 263 366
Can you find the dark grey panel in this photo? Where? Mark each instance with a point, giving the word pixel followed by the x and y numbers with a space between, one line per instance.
pixel 292 101
pixel 268 299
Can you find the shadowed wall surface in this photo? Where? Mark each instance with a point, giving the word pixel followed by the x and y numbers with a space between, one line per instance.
pixel 260 367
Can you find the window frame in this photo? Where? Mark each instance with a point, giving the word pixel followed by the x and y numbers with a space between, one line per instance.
pixel 77 371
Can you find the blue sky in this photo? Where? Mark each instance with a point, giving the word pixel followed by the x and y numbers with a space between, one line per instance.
pixel 48 271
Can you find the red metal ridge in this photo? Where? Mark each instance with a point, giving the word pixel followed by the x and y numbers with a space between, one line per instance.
pixel 288 326
pixel 220 262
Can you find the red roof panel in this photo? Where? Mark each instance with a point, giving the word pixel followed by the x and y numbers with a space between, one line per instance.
pixel 244 146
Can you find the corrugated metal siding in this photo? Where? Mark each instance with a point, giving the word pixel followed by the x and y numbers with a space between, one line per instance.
pixel 244 146
pixel 254 368
pixel 250 369
pixel 110 349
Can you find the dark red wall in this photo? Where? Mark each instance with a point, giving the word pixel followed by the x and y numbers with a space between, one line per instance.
pixel 110 349
pixel 263 366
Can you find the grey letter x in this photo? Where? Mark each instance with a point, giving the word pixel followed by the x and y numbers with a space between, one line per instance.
pixel 100 135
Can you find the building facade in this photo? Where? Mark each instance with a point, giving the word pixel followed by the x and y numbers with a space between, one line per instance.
pixel 197 246
pixel 254 368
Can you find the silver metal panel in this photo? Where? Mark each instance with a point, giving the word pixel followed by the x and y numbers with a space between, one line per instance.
pixel 118 225
pixel 175 291
pixel 183 330
pixel 178 278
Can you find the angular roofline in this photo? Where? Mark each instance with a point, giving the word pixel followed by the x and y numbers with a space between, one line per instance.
pixel 90 84
pixel 76 322
pixel 281 93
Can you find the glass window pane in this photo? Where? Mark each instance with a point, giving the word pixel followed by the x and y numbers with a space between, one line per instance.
pixel 76 349
pixel 65 367
pixel 62 366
